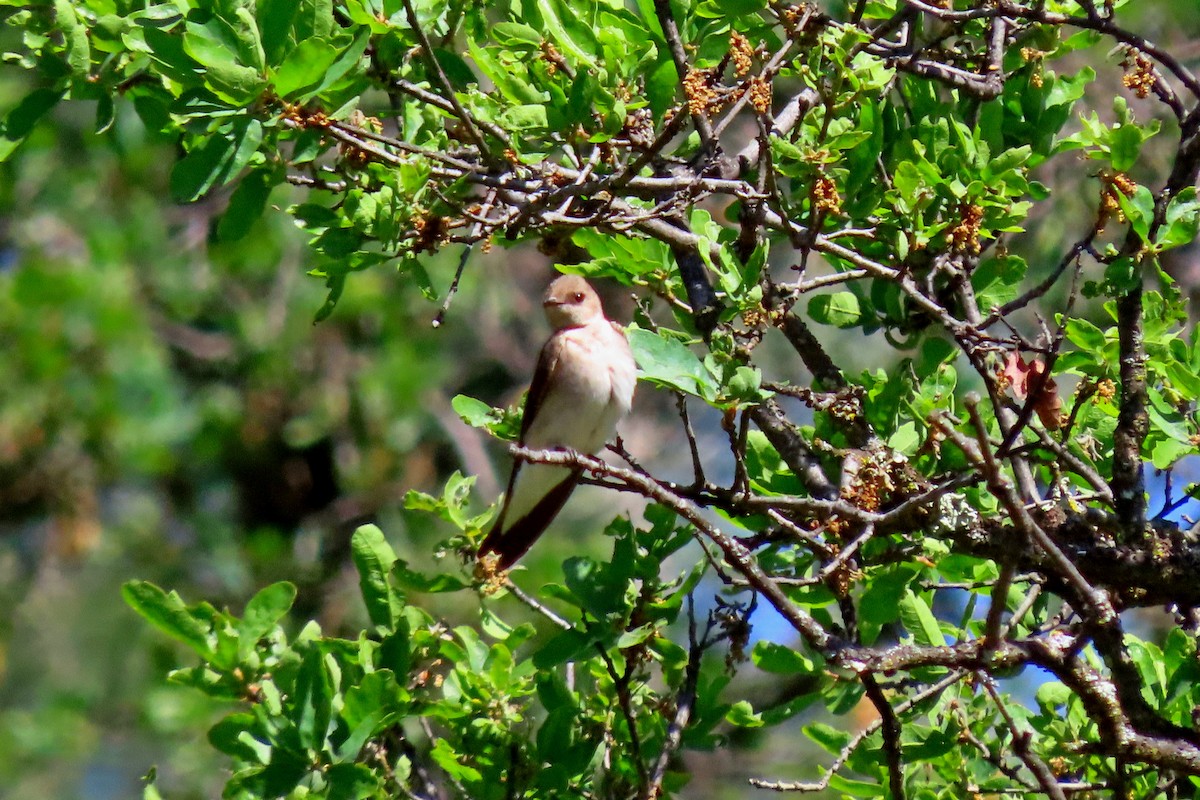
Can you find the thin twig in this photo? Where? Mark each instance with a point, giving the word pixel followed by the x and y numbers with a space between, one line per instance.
pixel 427 50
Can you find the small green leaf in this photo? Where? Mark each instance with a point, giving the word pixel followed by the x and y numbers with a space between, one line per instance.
pixel 1122 274
pixel 25 114
pixel 216 45
pixel 840 309
pixel 475 413
pixel 781 660
pixel 246 205
pixel 579 43
pixel 168 613
pixel 1138 210
pixel 351 782
pixel 636 636
pixel 589 582
pixel 447 759
pixel 514 33
pixel 415 581
pixel 669 363
pixel 742 714
pixel 524 117
pixel 374 558
pixel 275 23
pixel 304 66
pixel 746 385
pixel 263 611
pixel 217 160
pixel 234 736
pixel 565 646
pixel 881 600
pixel 312 700
pixel 919 619
pixel 79 50
pixel 1182 221
pixel 829 738
pixel 1085 335
pixel 1168 451
pixel 1124 145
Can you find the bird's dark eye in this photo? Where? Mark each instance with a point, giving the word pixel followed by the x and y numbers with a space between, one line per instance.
pixel 577 297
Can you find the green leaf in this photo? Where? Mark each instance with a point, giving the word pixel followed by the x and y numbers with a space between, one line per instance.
pixel 776 658
pixel 840 309
pixel 739 8
pixel 262 613
pixel 217 160
pixel 1166 418
pixel 1182 221
pixel 246 205
pixel 668 362
pixel 445 757
pixel 1124 145
pixel 457 72
pixel 350 58
pixel 563 647
pixel 578 44
pixel 216 46
pixel 275 23
pixel 934 353
pixel 168 613
pixel 661 87
pixel 745 386
pixel 853 788
pixel 312 700
pixel 1168 451
pixel 304 66
pixel 415 581
pixel 79 50
pixel 742 714
pixel 553 691
pixel 351 782
pixel 515 33
pixel 364 708
pixel 314 19
pixel 374 557
pixel 998 280
pixel 634 637
pixel 1123 274
pixel 1007 161
pixel 591 583
pixel 919 620
pixel 1138 210
pixel 475 413
pixel 880 603
pixel 1085 335
pixel 234 736
pixel 1149 660
pixel 287 768
pixel 830 739
pixel 25 114
pixel 524 117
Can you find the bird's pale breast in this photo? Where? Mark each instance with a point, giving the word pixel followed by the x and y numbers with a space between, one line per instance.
pixel 592 389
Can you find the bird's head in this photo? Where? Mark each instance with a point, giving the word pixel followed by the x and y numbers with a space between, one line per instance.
pixel 570 302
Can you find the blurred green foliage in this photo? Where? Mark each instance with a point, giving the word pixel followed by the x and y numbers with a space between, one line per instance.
pixel 170 411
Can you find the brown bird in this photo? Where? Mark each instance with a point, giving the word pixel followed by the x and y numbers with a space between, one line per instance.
pixel 582 386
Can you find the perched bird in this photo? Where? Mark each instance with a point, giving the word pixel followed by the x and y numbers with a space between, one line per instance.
pixel 582 386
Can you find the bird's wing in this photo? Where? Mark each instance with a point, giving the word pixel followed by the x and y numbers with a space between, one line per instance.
pixel 542 380
pixel 539 491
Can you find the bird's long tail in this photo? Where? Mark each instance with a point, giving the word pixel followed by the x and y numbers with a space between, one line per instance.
pixel 534 498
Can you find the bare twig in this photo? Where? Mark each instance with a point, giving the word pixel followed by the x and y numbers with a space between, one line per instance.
pixel 451 96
